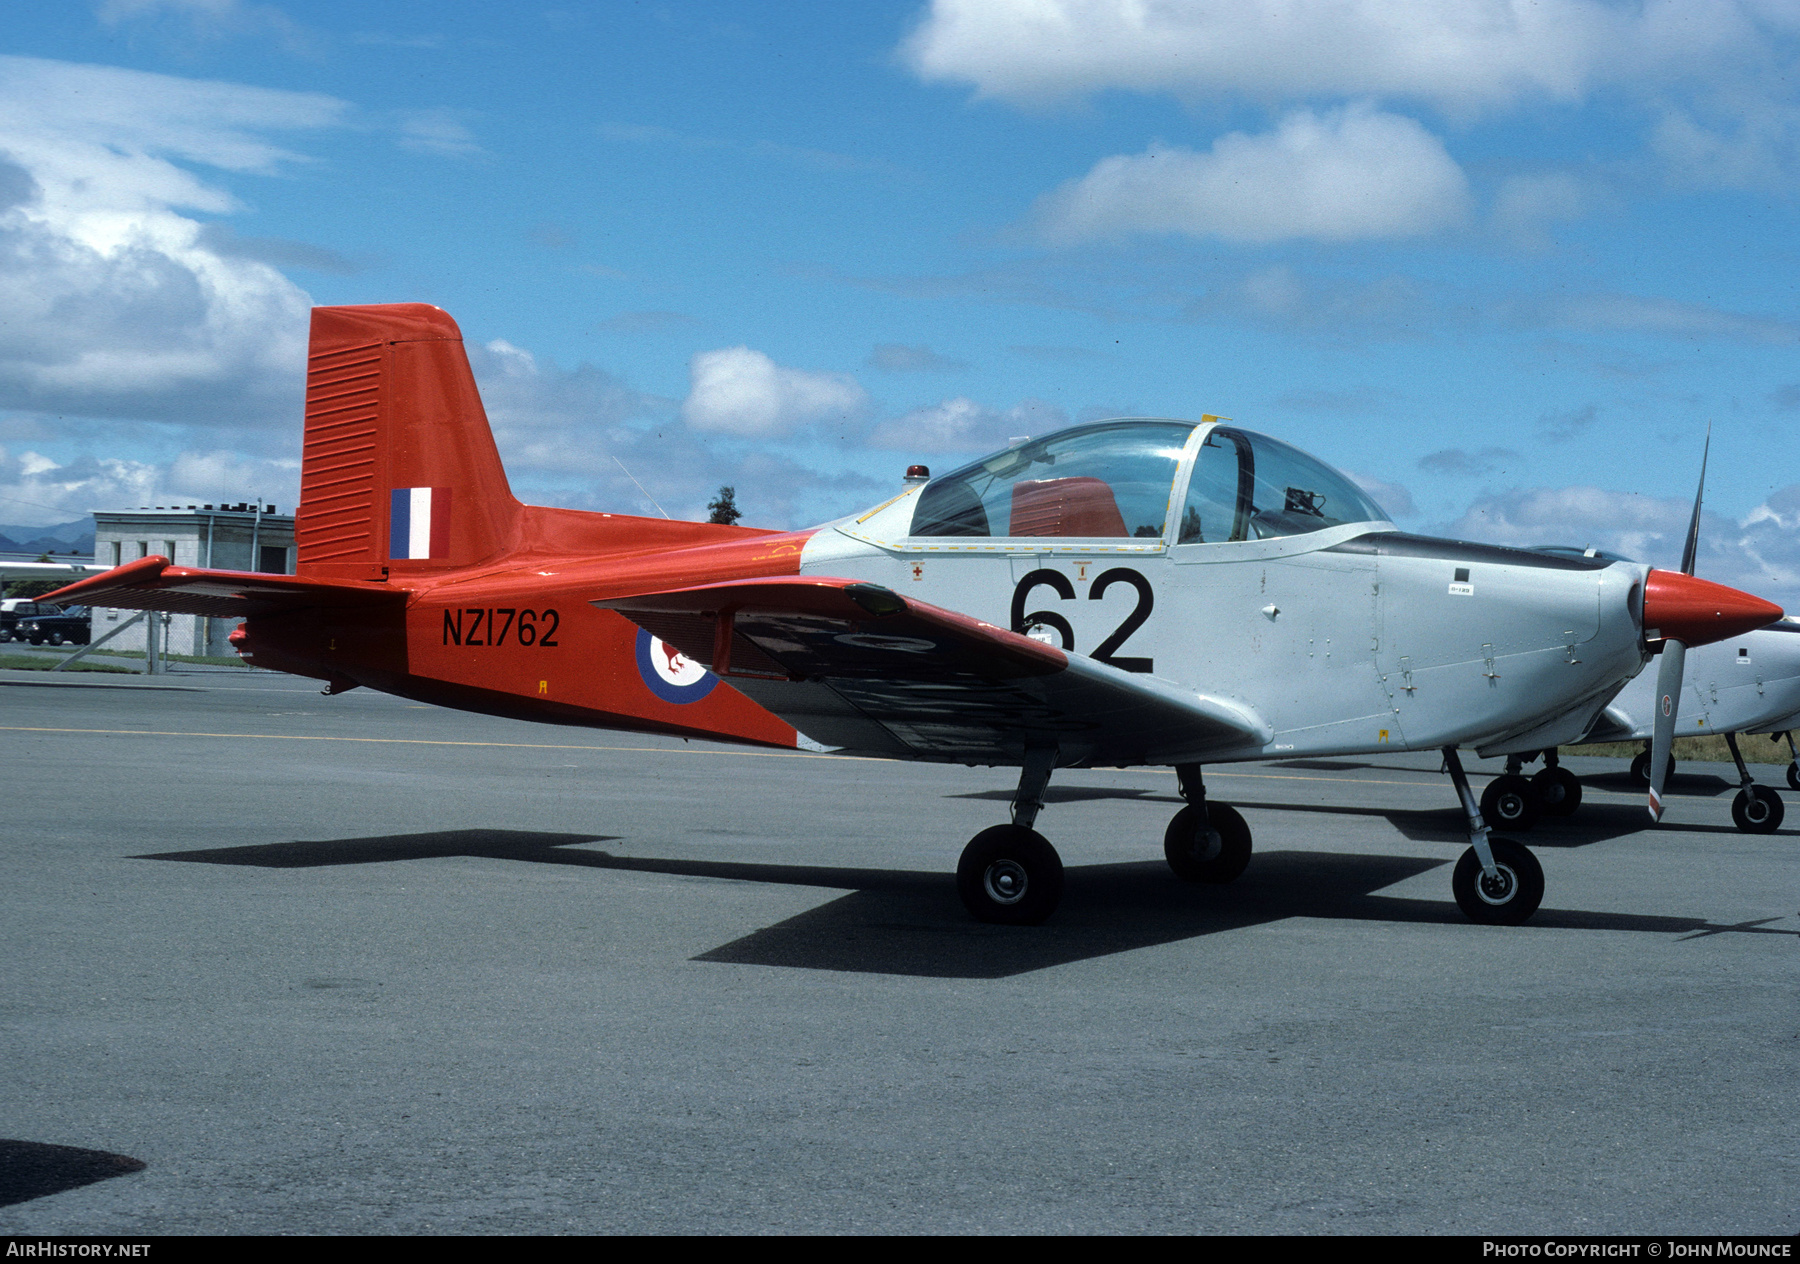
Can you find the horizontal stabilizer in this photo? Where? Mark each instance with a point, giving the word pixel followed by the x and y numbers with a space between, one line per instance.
pixel 151 583
pixel 856 665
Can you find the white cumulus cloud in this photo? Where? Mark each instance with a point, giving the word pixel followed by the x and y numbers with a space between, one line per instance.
pixel 38 490
pixel 962 425
pixel 738 391
pixel 116 302
pixel 1341 175
pixel 1759 554
pixel 1458 54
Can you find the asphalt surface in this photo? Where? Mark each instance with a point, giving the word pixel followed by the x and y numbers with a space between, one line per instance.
pixel 350 965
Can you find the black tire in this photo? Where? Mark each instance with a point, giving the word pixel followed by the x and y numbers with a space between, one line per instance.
pixel 1194 859
pixel 1757 810
pixel 1558 791
pixel 1794 776
pixel 1509 803
pixel 36 640
pixel 1640 771
pixel 1510 900
pixel 1010 875
pixel 56 638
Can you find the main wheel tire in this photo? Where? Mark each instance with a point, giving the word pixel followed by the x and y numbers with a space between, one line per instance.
pixel 1757 810
pixel 1196 858
pixel 1640 771
pixel 1558 791
pixel 1794 776
pixel 1010 875
pixel 1509 802
pixel 1511 897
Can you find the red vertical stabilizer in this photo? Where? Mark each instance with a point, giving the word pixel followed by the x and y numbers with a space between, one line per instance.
pixel 399 473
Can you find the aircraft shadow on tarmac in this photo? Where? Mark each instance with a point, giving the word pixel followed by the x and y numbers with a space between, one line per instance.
pixel 1074 794
pixel 495 844
pixel 1707 785
pixel 907 922
pixel 1594 823
pixel 33 1169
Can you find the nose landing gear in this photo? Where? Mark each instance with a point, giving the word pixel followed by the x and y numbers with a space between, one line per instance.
pixel 1497 882
pixel 1756 809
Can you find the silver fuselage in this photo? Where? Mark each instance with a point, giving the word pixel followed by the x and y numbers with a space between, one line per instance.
pixel 1355 638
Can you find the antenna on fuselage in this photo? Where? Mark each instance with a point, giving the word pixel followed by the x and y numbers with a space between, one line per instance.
pixel 640 487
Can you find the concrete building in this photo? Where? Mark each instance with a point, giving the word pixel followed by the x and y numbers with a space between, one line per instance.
pixel 242 537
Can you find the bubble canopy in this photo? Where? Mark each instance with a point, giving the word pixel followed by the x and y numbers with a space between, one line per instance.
pixel 1117 480
pixel 1250 487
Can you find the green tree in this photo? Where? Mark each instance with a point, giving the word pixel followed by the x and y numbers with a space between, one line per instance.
pixel 724 508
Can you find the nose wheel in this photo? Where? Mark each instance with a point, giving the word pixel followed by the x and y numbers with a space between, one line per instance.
pixel 1756 809
pixel 1508 896
pixel 1497 882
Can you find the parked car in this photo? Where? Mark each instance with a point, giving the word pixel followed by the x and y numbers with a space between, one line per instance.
pixel 15 608
pixel 72 626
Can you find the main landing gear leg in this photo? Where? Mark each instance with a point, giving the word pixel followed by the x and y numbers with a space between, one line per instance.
pixel 1010 874
pixel 1205 842
pixel 1497 882
pixel 1757 809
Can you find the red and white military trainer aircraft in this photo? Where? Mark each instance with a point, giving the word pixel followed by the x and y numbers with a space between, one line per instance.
pixel 1132 592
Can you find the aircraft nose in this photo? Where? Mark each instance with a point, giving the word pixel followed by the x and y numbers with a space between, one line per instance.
pixel 1698 611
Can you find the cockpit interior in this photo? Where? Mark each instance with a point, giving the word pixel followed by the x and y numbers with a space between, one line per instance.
pixel 1118 479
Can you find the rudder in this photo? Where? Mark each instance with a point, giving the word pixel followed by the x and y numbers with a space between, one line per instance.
pixel 399 472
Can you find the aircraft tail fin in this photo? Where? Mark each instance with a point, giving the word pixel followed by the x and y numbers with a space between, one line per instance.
pixel 399 472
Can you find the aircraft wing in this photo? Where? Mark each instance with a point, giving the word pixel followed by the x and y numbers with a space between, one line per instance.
pixel 151 583
pixel 855 665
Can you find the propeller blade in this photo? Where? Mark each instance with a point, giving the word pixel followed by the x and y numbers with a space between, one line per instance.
pixel 1668 702
pixel 1689 549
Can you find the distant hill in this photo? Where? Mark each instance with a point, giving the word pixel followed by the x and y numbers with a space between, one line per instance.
pixel 77 536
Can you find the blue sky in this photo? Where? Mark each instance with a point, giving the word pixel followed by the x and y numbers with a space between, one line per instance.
pixel 1504 262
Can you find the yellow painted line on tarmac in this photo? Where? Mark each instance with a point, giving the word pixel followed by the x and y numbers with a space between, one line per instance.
pixel 420 741
pixel 649 750
pixel 1216 771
